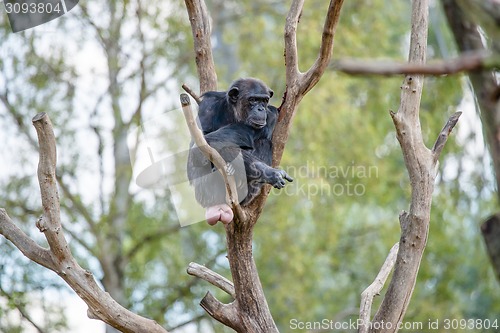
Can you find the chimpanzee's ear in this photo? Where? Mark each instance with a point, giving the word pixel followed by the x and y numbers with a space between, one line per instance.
pixel 271 93
pixel 233 94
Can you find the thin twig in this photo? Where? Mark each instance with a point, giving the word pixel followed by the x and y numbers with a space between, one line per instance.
pixel 374 289
pixel 444 134
pixel 191 93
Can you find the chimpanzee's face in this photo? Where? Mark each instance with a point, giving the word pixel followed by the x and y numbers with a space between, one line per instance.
pixel 249 98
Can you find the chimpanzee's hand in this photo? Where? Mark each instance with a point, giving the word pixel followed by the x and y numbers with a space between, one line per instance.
pixel 279 177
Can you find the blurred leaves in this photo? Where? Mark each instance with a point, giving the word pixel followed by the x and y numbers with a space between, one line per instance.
pixel 322 239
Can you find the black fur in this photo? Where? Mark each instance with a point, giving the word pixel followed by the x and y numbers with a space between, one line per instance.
pixel 239 124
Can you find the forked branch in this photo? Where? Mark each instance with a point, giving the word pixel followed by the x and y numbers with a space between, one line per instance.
pixel 298 84
pixel 421 164
pixel 58 257
pixel 250 304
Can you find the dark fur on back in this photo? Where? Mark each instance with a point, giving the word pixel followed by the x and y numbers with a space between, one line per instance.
pixel 223 119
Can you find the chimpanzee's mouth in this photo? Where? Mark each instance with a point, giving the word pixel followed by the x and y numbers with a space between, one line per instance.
pixel 258 125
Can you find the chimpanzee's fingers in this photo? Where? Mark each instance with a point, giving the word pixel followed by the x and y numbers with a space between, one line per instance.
pixel 287 177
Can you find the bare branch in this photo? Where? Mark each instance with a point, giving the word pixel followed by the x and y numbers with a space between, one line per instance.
pixel 77 204
pixel 291 54
pixel 213 156
pixel 444 134
pixel 374 289
pixel 421 164
pixel 297 83
pixel 191 93
pixel 26 245
pixel 306 81
pixel 200 26
pixel 465 62
pixel 227 314
pixel 60 259
pixel 313 75
pixel 50 222
pixel 211 277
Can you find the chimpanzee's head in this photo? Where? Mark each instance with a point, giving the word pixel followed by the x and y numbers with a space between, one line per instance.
pixel 249 98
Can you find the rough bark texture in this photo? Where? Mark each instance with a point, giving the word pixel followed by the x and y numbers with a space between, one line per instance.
pixel 58 257
pixel 418 161
pixel 249 312
pixel 200 26
pixel 421 164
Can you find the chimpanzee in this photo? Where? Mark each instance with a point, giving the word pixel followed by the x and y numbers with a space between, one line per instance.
pixel 239 124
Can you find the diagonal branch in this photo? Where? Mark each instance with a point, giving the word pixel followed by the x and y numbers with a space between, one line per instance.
pixel 299 84
pixel 59 258
pixel 313 75
pixel 227 314
pixel 444 134
pixel 374 289
pixel 26 245
pixel 213 156
pixel 210 276
pixel 306 81
pixel 191 93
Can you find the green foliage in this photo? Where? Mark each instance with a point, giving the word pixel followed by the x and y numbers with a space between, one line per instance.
pixel 323 238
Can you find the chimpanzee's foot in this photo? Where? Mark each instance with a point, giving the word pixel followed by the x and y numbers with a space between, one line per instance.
pixel 222 213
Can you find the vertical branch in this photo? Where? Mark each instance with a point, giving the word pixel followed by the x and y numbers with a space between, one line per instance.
pixel 418 161
pixel 200 26
pixel 250 312
pixel 251 303
pixel 50 222
pixel 291 53
pixel 421 164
